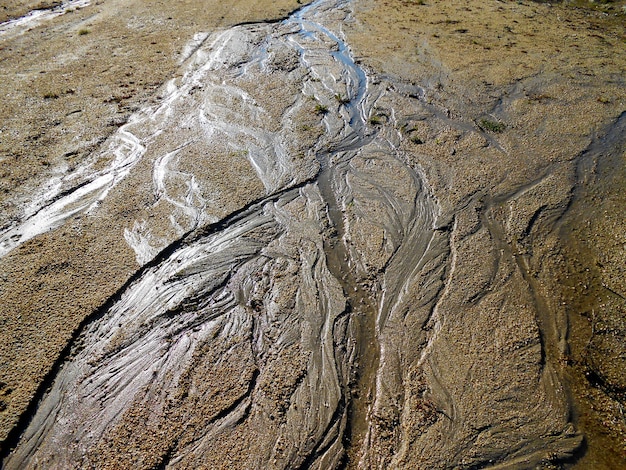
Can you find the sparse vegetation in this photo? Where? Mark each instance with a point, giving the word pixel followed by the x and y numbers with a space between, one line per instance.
pixel 376 120
pixel 411 132
pixel 51 96
pixel 342 99
pixel 321 109
pixel 83 32
pixel 491 126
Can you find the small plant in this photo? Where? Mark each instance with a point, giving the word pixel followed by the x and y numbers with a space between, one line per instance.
pixel 492 126
pixel 376 120
pixel 410 131
pixel 51 96
pixel 379 116
pixel 83 32
pixel 321 109
pixel 341 99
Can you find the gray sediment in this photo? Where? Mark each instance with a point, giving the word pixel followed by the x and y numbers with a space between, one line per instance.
pixel 308 295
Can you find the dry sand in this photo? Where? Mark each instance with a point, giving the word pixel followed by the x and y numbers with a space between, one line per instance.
pixel 505 107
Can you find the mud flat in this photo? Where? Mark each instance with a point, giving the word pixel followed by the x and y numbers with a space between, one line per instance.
pixel 68 85
pixel 360 236
pixel 545 85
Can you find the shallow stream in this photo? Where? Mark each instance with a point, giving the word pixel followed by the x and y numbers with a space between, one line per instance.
pixel 288 292
pixel 331 270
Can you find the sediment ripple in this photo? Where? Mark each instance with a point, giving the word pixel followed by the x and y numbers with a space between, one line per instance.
pixel 310 328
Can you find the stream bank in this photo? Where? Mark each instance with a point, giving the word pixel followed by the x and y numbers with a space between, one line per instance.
pixel 373 283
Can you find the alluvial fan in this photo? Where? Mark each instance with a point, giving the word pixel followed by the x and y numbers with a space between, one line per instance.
pixel 311 320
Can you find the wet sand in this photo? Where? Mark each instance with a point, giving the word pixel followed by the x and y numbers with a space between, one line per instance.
pixel 64 94
pixel 368 236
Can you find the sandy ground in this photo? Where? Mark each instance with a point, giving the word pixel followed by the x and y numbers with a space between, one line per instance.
pixel 542 81
pixel 553 75
pixel 64 92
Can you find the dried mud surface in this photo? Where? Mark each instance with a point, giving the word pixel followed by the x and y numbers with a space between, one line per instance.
pixel 367 235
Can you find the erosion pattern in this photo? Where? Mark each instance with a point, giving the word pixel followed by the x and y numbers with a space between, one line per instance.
pixel 305 297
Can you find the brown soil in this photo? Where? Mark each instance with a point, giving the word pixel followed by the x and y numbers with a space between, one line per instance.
pixel 541 82
pixel 66 86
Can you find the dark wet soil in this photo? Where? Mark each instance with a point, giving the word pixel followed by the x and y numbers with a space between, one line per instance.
pixel 596 305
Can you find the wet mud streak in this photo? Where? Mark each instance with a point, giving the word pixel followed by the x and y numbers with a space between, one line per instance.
pixel 602 153
pixel 19 26
pixel 283 292
pixel 362 309
pixel 600 176
pixel 361 305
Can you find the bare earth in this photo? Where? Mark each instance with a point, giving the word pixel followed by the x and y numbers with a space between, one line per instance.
pixel 63 94
pixel 269 250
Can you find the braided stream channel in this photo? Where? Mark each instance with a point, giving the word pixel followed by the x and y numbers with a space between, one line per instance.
pixel 255 333
pixel 312 265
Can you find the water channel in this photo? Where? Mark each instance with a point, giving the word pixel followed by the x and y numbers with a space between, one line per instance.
pixel 262 322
